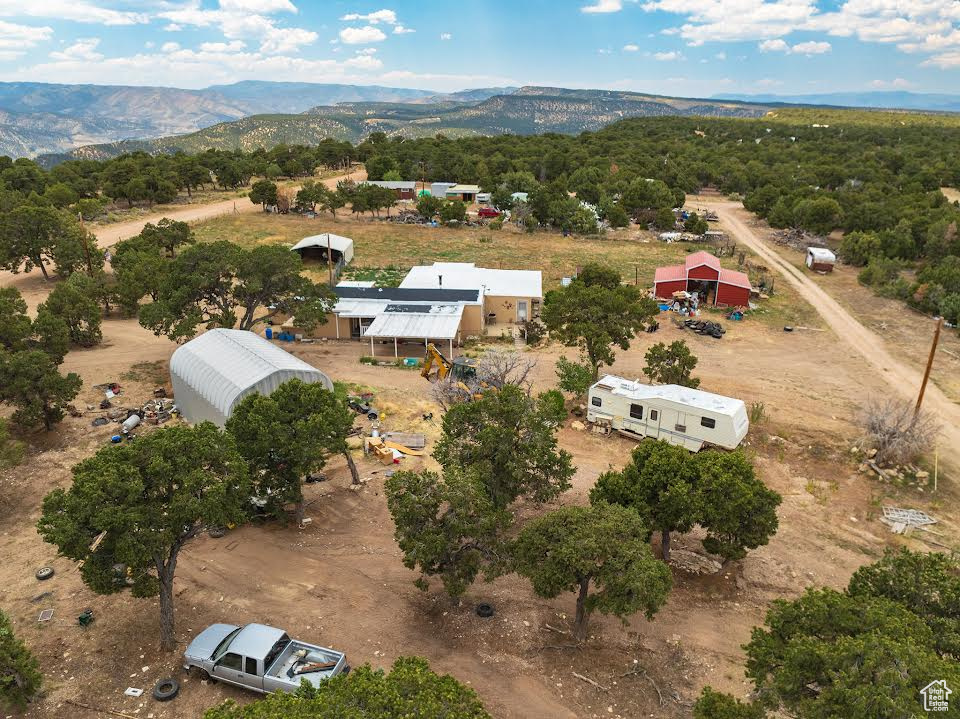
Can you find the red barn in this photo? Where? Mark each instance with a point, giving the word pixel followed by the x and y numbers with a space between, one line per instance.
pixel 702 273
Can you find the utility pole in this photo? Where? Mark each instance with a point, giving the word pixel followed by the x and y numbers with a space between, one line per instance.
pixel 926 374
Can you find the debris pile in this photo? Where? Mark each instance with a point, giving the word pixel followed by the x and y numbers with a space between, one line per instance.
pixel 798 240
pixel 705 327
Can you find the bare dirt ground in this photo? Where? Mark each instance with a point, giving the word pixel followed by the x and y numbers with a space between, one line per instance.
pixel 340 581
pixel 109 235
pixel 903 376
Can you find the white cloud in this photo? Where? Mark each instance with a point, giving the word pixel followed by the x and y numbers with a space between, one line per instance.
pixel 173 27
pixel 82 49
pixel 603 6
pixel 367 51
pixel 667 56
pixel 812 47
pixel 232 46
pixel 170 47
pixel 631 48
pixel 446 36
pixel 374 18
pixel 16 39
pixel 75 10
pixel 402 30
pixel 260 7
pixel 898 83
pixel 361 35
pixel 778 45
pixel 241 20
pixel 720 56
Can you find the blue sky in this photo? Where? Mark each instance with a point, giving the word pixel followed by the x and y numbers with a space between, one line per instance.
pixel 678 47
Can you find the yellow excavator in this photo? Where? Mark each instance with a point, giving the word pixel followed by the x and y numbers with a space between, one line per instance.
pixel 461 369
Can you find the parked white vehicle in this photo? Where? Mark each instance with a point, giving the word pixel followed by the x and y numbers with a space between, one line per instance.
pixel 679 415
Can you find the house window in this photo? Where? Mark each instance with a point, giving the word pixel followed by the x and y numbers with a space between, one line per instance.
pixel 636 411
pixel 232 661
pixel 708 422
pixel 596 401
pixel 251 666
pixel 654 414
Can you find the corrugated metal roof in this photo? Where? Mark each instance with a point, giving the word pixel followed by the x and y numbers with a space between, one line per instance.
pixel 672 392
pixel 702 258
pixel 391 184
pixel 463 275
pixel 821 254
pixel 410 294
pixel 671 273
pixel 212 372
pixel 469 189
pixel 431 325
pixel 737 279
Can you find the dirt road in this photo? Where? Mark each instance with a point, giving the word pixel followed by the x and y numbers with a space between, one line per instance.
pixel 109 235
pixel 904 380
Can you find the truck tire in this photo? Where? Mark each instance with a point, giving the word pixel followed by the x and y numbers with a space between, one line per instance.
pixel 485 610
pixel 166 689
pixel 44 573
pixel 346 669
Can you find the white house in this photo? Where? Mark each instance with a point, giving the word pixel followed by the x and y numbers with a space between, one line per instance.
pixel 679 415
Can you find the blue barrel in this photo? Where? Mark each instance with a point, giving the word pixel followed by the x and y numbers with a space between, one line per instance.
pixel 269 333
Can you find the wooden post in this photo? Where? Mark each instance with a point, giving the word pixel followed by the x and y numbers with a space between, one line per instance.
pixel 396 352
pixel 329 260
pixel 926 373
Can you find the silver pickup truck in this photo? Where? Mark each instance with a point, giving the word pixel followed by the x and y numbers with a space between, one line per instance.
pixel 260 658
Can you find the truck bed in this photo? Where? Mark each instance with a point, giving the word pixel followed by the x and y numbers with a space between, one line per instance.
pixel 284 665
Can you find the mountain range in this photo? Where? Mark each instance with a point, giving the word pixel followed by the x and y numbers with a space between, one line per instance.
pixel 490 111
pixel 879 99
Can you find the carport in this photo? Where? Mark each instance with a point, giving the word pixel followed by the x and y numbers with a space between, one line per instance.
pixel 320 247
pixel 433 323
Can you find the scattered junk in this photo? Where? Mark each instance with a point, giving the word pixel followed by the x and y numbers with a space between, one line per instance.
pixel 704 327
pixel 820 259
pixel 44 573
pixel 799 240
pixel 130 423
pixel 903 521
pixel 100 421
pixel 689 418
pixel 485 610
pixel 133 692
pixel 413 440
pixel 736 315
pixel 86 618
pixel 45 616
pixel 652 327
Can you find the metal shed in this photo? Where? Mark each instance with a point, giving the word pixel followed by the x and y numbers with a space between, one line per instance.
pixel 317 246
pixel 820 259
pixel 213 372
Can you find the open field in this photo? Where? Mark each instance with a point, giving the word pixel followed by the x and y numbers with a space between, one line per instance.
pixel 634 253
pixel 340 581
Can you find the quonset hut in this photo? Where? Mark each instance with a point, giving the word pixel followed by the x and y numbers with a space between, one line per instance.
pixel 213 372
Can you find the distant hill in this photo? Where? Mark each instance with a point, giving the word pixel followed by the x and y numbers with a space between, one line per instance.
pixel 39 118
pixel 529 110
pixel 886 99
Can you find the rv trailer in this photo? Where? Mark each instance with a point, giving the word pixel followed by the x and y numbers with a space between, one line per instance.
pixel 679 415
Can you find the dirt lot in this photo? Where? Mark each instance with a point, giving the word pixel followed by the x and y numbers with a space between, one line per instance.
pixel 340 580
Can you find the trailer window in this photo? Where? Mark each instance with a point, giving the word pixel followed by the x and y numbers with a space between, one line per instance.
pixel 596 401
pixel 251 666
pixel 708 422
pixel 636 411
pixel 654 414
pixel 680 427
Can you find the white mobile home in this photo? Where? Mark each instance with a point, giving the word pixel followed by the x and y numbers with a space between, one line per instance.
pixel 679 415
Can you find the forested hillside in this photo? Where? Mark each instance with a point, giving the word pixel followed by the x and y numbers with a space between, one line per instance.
pixel 875 176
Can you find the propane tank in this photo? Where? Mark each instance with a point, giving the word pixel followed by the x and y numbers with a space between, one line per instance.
pixel 129 423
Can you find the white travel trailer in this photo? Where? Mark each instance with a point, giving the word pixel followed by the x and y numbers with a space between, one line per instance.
pixel 679 415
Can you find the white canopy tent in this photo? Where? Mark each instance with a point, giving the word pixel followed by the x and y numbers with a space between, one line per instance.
pixel 317 245
pixel 213 372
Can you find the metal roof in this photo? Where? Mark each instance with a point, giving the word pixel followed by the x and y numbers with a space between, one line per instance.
pixel 702 258
pixel 462 275
pixel 336 242
pixel 672 393
pixel 214 371
pixel 469 189
pixel 255 640
pixel 391 184
pixel 441 322
pixel 671 273
pixel 410 294
pixel 737 279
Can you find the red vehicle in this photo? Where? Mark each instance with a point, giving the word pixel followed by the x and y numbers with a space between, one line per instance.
pixel 487 212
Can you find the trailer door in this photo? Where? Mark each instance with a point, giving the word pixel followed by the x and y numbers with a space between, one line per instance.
pixel 653 422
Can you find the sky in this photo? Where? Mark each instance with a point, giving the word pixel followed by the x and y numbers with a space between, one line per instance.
pixel 693 48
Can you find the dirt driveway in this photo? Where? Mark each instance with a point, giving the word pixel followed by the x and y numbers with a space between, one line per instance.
pixel 109 235
pixel 901 378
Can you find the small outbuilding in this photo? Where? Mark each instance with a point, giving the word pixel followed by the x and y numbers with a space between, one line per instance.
pixel 317 247
pixel 213 372
pixel 701 273
pixel 820 259
pixel 403 189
